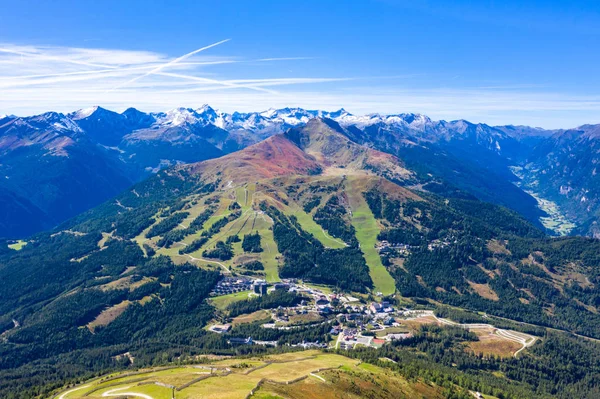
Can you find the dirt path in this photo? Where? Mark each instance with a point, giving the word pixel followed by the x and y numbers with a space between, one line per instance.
pixel 194 259
pixel 333 239
pixel 339 339
pixel 118 203
pixel 16 324
pixel 64 395
pixel 126 394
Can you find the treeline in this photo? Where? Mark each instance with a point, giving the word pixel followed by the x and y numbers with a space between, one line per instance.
pixel 293 336
pixel 167 224
pixel 273 300
pixel 177 235
pixel 331 217
pixel 251 243
pixel 215 228
pixel 254 265
pixel 221 251
pixel 312 203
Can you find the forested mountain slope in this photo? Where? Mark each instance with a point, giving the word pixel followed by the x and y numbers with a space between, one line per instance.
pixel 133 274
pixel 65 164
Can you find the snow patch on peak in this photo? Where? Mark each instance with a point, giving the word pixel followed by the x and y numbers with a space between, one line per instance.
pixel 360 120
pixel 206 109
pixel 84 113
pixel 269 113
pixel 178 117
pixel 340 113
pixel 459 126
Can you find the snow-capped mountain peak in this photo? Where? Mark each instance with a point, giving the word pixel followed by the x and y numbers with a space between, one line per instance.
pixel 269 113
pixel 84 113
pixel 110 128
pixel 178 117
pixel 52 120
pixel 206 110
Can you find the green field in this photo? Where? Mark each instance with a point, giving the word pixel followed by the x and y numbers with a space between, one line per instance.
pixel 310 226
pixel 367 230
pixel 323 288
pixel 151 390
pixel 249 222
pixel 253 220
pixel 221 302
pixel 17 246
pixel 298 375
pixel 227 380
pixel 269 255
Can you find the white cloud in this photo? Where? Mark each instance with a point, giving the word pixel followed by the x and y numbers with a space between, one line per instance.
pixel 160 67
pixel 35 79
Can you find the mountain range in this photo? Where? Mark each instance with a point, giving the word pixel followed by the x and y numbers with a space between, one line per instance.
pixel 54 166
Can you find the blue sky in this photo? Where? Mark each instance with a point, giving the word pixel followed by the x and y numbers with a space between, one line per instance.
pixel 500 62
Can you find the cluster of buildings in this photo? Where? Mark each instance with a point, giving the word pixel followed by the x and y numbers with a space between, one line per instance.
pixel 387 247
pixel 311 345
pixel 220 328
pixel 231 285
pixel 437 244
pixel 383 307
pixel 352 322
pixel 260 287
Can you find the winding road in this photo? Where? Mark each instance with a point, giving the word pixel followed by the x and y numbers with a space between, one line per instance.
pixel 64 395
pixel 525 340
pixel 194 259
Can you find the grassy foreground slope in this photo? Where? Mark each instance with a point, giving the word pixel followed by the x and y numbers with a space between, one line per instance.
pixel 308 374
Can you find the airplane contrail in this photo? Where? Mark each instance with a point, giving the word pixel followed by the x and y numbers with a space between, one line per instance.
pixel 220 82
pixel 43 79
pixel 61 59
pixel 282 59
pixel 92 72
pixel 165 65
pixel 109 70
pixel 257 84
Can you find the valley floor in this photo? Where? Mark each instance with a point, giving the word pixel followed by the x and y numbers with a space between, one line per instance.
pixel 556 220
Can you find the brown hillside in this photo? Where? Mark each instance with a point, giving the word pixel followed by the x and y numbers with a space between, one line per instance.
pixel 326 141
pixel 274 157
